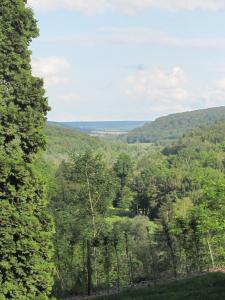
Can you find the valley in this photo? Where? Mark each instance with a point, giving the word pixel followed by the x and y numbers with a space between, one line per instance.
pixel 130 205
pixel 143 211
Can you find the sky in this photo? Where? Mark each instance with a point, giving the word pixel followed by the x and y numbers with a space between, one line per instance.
pixel 129 59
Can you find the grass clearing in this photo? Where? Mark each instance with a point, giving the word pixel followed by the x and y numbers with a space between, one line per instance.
pixel 205 287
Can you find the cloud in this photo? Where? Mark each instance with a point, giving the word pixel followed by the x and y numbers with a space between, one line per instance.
pixel 135 6
pixel 135 36
pixel 163 92
pixel 148 36
pixel 130 7
pixel 215 94
pixel 54 70
pixel 160 81
pixel 220 84
pixel 69 98
pixel 84 6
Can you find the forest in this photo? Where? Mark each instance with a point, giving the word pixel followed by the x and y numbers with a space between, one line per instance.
pixel 148 213
pixel 80 215
pixel 173 126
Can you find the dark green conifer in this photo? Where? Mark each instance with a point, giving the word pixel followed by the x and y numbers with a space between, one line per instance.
pixel 25 225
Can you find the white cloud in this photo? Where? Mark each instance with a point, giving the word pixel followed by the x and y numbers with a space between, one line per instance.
pixel 136 36
pixel 70 98
pixel 215 94
pixel 148 36
pixel 220 84
pixel 83 6
pixel 127 6
pixel 153 84
pixel 165 91
pixel 54 70
pixel 135 6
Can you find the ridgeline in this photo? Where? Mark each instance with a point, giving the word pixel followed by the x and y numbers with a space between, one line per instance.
pixel 173 126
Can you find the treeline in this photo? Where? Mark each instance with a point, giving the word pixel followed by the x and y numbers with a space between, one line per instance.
pixel 125 221
pixel 174 126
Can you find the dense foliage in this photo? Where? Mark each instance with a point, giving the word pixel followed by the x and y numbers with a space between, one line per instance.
pixel 155 215
pixel 173 126
pixel 25 225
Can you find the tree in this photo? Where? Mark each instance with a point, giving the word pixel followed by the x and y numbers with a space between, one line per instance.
pixel 26 226
pixel 94 185
pixel 122 168
pixel 80 209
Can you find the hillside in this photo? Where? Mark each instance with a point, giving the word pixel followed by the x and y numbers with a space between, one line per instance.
pixel 205 287
pixel 173 126
pixel 61 141
pixel 199 140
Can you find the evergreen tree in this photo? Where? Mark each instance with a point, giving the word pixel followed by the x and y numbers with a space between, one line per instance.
pixel 25 225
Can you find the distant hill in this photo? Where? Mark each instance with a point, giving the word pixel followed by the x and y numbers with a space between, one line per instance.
pixel 61 141
pixel 206 142
pixel 101 127
pixel 173 126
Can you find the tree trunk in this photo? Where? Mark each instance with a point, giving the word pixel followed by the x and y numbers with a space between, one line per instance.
pixel 211 253
pixel 170 246
pixel 117 266
pixel 89 271
pixel 128 259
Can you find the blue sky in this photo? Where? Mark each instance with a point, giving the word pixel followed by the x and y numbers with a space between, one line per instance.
pixel 129 59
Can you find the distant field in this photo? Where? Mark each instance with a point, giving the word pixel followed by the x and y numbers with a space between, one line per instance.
pixel 205 287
